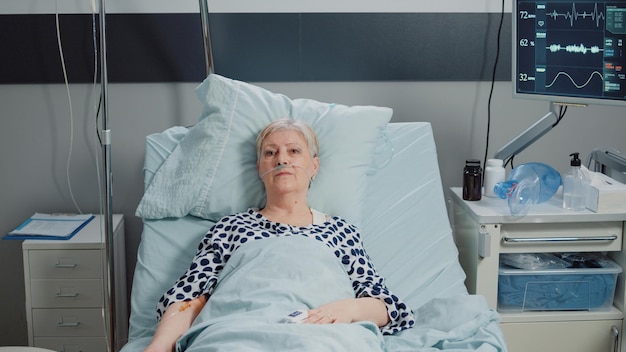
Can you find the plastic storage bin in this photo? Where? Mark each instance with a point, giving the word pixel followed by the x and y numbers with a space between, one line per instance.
pixel 557 289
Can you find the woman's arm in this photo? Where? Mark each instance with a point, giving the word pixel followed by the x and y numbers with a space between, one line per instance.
pixel 176 320
pixel 371 309
pixel 367 283
pixel 350 311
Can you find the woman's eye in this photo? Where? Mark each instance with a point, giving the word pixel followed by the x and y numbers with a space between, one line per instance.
pixel 295 151
pixel 269 153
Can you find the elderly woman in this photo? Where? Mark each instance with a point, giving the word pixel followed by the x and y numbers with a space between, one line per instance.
pixel 287 163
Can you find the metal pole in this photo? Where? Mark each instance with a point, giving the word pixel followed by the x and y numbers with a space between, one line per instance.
pixel 206 36
pixel 108 214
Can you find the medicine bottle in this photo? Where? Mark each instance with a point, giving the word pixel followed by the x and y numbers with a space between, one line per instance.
pixel 494 173
pixel 472 180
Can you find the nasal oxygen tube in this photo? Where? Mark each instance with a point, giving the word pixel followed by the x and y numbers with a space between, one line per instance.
pixel 284 166
pixel 276 168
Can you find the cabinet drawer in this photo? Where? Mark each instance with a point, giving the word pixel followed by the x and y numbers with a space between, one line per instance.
pixel 67 322
pixel 562 237
pixel 64 293
pixel 571 336
pixel 65 264
pixel 73 344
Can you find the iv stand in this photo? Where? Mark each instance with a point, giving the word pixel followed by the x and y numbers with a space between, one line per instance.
pixel 206 36
pixel 106 152
pixel 108 215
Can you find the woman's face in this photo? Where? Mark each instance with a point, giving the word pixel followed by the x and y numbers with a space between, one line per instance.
pixel 286 147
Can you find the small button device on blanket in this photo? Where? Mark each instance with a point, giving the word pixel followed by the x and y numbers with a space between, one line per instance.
pixel 296 317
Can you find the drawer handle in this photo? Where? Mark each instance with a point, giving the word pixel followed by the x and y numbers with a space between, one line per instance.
pixel 615 332
pixel 67 294
pixel 559 239
pixel 65 266
pixel 68 325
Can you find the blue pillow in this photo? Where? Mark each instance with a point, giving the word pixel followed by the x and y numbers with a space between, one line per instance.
pixel 212 172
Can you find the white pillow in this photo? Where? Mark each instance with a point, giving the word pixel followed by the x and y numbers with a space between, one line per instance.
pixel 212 172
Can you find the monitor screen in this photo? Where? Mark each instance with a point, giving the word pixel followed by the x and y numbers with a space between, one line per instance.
pixel 570 51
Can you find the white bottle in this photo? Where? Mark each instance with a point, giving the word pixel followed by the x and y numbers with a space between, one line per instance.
pixel 575 183
pixel 494 173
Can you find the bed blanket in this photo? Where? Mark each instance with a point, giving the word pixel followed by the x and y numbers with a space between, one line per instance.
pixel 454 324
pixel 261 284
pixel 267 279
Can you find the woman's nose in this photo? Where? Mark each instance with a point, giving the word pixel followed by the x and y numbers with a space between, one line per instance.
pixel 282 160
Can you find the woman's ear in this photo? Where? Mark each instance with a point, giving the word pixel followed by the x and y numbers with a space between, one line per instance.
pixel 316 166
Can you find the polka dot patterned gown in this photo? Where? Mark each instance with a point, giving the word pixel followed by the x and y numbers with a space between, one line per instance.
pixel 234 230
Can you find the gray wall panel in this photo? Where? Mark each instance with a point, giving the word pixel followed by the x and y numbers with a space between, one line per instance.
pixel 268 47
pixel 403 47
pixel 257 47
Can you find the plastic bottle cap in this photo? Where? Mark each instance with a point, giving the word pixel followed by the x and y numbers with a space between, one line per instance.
pixel 575 161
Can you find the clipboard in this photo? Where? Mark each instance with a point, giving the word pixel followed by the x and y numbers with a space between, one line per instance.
pixel 50 227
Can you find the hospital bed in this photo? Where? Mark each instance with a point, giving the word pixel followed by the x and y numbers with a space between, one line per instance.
pixel 383 177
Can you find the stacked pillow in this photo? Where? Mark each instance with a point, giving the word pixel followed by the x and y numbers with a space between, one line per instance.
pixel 212 171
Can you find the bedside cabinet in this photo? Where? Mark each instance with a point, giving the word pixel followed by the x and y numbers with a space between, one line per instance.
pixel 484 230
pixel 66 289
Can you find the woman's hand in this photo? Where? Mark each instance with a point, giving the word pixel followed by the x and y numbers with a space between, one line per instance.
pixel 334 312
pixel 349 311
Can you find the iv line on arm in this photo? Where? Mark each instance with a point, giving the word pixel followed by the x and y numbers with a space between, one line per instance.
pixel 196 304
